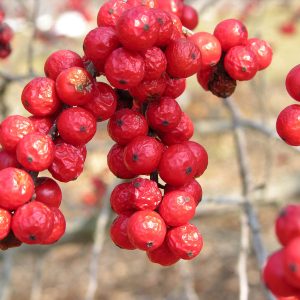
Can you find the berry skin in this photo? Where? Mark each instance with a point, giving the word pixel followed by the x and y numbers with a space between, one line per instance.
pixel 146 193
pixel 209 46
pixel 189 17
pixel 125 125
pixel 104 103
pixel 142 155
pixel 5 222
pixel 175 87
pixel 181 133
pixel 8 159
pixel 146 230
pixel 115 162
pixel 177 165
pixel 177 208
pixel 183 57
pixel 274 278
pixel 172 6
pixel 59 227
pixel 10 241
pixel 164 114
pixel 185 241
pixel 121 199
pixel 76 126
pixel 165 27
pixel 288 125
pixel 240 63
pixel 262 50
pixel 163 255
pixel 48 192
pixel 99 43
pixel 177 28
pixel 32 223
pixel 155 63
pixel 124 69
pixel 6 33
pixel 231 33
pixel 35 152
pixel 291 262
pixel 61 60
pixel 292 83
pixel 68 162
pixel 39 97
pixel 204 76
pixel 118 233
pixel 41 124
pixel 12 130
pixel 200 155
pixel 137 28
pixel 17 188
pixel 74 86
pixel 193 188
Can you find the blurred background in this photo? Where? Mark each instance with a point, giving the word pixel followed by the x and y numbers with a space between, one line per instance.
pixel 79 268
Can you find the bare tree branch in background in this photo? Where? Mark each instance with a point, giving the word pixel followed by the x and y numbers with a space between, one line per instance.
pixel 36 287
pixel 5 286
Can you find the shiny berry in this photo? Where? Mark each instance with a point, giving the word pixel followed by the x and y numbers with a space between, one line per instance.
pixel 172 6
pixel 41 124
pixel 189 17
pixel 204 76
pixel 288 125
pixel 8 159
pixel 48 192
pixel 142 155
pixel 177 28
pixel 13 129
pixel 292 82
pixel 177 208
pixel 17 188
pixel 118 233
pixel 146 230
pixel 231 33
pixel 33 222
pixel 61 60
pixel 5 223
pixel 121 199
pixel 125 125
pixel 177 165
pixel 174 87
pixel 165 27
pixel 183 57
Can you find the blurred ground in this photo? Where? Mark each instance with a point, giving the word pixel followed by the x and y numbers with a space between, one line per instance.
pixel 128 274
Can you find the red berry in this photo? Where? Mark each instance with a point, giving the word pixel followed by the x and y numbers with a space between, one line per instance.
pixel 124 69
pixel 162 255
pixel 17 188
pixel 147 3
pixel 177 28
pixel 175 87
pixel 32 223
pixel 292 82
pixel 274 278
pixel 137 28
pixel 209 46
pixel 177 208
pixel 200 155
pixel 118 233
pixel 125 125
pixel 177 165
pixel 288 125
pixel 6 33
pixel 189 17
pixel 8 159
pixel 13 129
pixel 181 133
pixel 5 223
pixel 59 227
pixel 77 126
pixel 231 33
pixel 262 50
pixel 172 6
pixel 35 152
pixel 164 114
pixel 104 103
pixel 183 57
pixel 39 97
pixel 142 155
pixel 204 76
pixel 146 230
pixel 193 188
pixel 48 192
pixel 61 60
pixel 115 162
pixel 5 50
pixel 99 43
pixel 10 241
pixel 41 124
pixel 185 241
pixel 165 27
pixel 121 199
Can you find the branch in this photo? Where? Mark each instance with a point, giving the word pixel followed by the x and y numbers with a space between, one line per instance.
pixel 5 285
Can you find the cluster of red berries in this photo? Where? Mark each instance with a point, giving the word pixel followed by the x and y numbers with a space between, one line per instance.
pixel 282 271
pixel 6 35
pixel 229 56
pixel 288 121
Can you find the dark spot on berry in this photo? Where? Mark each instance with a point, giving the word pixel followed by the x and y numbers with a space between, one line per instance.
pixel 293 268
pixel 193 56
pixel 29 159
pixel 119 122
pixel 79 87
pixel 187 199
pixel 82 129
pixel 149 244
pixel 188 170
pixel 32 237
pixel 165 123
pixel 160 21
pixel 111 11
pixel 282 213
pixel 244 69
pixel 26 104
pixel 136 184
pixel 135 157
pixel 190 254
pixel 122 81
pixel 146 27
pixel 99 119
